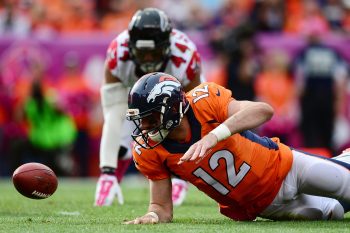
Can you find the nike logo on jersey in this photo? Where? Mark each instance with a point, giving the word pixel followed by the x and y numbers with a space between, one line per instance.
pixel 218 93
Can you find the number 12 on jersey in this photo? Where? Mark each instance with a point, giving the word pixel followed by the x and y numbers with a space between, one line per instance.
pixel 233 178
pixel 200 93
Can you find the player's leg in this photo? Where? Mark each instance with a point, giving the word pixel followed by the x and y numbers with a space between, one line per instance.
pixel 290 204
pixel 321 177
pixel 124 154
pixel 304 207
pixel 124 162
pixel 344 160
pixel 344 157
pixel 108 185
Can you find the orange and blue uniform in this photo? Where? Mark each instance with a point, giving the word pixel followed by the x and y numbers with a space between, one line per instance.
pixel 242 173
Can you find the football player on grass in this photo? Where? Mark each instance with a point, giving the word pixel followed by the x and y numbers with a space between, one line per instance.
pixel 204 137
pixel 150 44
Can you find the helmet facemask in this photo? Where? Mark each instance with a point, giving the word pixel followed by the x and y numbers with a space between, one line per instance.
pixel 148 57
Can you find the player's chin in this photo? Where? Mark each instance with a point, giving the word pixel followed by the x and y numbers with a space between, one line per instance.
pixel 158 135
pixel 155 136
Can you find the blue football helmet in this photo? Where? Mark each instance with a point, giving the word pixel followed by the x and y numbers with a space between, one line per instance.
pixel 156 97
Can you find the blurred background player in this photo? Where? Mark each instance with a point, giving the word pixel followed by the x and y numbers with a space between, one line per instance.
pixel 150 44
pixel 321 75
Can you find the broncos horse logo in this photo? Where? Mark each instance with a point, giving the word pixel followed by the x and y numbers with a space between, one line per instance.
pixel 165 87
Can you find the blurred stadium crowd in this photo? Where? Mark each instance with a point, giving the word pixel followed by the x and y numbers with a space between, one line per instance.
pixel 52 52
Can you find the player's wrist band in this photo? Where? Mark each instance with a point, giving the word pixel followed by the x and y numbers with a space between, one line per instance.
pixel 221 132
pixel 154 215
pixel 108 170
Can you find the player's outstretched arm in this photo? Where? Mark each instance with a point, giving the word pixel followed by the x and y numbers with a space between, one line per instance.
pixel 246 115
pixel 242 115
pixel 161 207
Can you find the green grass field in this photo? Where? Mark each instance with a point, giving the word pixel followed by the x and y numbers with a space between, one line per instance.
pixel 70 209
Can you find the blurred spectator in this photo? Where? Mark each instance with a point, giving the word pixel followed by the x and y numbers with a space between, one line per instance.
pixel 16 76
pixel 117 18
pixel 51 132
pixel 50 16
pixel 47 16
pixel 334 13
pixel 13 21
pixel 235 12
pixel 346 19
pixel 12 131
pixel 269 16
pixel 77 99
pixel 243 64
pixel 305 16
pixel 230 16
pixel 178 10
pixel 320 75
pixel 341 136
pixel 275 86
pixel 198 18
pixel 80 17
pixel 41 24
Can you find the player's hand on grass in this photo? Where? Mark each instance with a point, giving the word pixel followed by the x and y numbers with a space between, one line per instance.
pixel 200 148
pixel 106 190
pixel 149 218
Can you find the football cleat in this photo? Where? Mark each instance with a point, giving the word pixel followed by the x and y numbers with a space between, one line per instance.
pixel 106 190
pixel 179 191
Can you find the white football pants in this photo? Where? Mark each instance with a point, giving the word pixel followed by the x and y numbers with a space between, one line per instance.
pixel 311 190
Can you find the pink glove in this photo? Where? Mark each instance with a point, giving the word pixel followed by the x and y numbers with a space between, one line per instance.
pixel 107 188
pixel 179 191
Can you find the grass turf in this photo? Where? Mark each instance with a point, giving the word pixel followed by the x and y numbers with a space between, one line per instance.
pixel 70 209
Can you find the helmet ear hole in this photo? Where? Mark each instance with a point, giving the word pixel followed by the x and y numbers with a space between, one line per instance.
pixel 168 124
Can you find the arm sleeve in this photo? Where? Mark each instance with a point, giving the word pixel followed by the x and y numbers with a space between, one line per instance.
pixel 222 101
pixel 219 98
pixel 149 164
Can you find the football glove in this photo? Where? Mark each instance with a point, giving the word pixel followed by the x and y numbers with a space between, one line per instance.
pixel 179 191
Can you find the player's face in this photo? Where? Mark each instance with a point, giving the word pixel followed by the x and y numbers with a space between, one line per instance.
pixel 148 55
pixel 149 60
pixel 151 130
pixel 150 123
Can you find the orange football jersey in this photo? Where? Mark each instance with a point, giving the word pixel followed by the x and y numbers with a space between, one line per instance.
pixel 242 173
